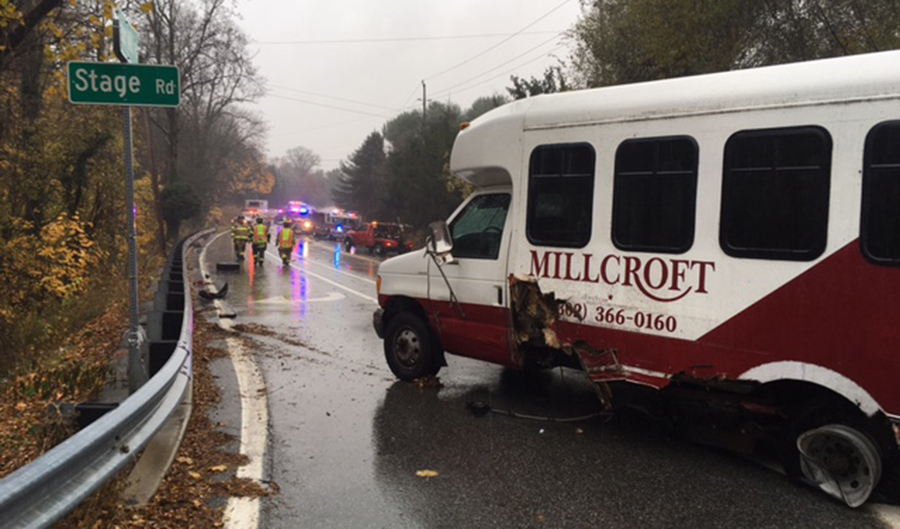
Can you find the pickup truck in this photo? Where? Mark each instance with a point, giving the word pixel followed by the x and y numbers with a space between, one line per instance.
pixel 379 238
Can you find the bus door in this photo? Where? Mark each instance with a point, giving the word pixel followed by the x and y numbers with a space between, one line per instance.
pixel 478 325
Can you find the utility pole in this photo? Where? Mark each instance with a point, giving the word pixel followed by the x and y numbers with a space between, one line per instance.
pixel 424 103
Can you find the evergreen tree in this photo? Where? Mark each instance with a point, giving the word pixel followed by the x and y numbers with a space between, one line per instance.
pixel 360 186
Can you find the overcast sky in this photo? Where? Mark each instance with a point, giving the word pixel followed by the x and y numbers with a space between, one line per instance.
pixel 370 82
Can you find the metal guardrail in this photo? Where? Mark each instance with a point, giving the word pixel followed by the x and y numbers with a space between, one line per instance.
pixel 54 484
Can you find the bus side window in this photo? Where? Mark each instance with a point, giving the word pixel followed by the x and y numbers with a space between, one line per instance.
pixel 560 195
pixel 655 194
pixel 880 224
pixel 775 191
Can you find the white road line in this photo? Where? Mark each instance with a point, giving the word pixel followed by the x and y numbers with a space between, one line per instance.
pixel 359 256
pixel 340 286
pixel 245 512
pixel 354 276
pixel 281 300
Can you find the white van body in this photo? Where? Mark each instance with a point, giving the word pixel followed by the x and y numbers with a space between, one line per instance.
pixel 810 317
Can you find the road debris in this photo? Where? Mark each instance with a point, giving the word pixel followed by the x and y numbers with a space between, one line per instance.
pixel 429 382
pixel 427 473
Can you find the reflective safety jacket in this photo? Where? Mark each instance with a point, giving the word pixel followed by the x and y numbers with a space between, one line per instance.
pixel 240 232
pixel 286 239
pixel 260 234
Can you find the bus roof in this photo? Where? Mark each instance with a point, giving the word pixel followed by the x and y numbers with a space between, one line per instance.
pixel 875 75
pixel 844 79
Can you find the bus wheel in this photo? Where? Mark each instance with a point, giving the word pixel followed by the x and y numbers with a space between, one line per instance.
pixel 834 452
pixel 409 348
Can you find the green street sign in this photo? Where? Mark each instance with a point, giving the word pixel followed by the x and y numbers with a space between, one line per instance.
pixel 106 83
pixel 125 39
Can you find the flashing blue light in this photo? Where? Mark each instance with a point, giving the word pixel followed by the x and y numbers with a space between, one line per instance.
pixel 339 228
pixel 304 210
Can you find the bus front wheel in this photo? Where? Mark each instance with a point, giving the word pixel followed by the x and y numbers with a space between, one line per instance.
pixel 409 348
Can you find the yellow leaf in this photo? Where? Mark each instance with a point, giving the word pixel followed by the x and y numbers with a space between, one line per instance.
pixel 185 460
pixel 147 7
pixel 426 473
pixel 218 468
pixel 95 21
pixel 21 406
pixel 73 3
pixel 195 475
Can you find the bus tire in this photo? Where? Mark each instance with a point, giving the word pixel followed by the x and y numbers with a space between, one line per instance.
pixel 409 348
pixel 838 447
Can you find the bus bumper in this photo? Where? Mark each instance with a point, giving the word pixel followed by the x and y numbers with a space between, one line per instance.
pixel 895 424
pixel 378 323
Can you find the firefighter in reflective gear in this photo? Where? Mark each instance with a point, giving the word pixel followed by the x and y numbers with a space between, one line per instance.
pixel 260 240
pixel 240 234
pixel 286 241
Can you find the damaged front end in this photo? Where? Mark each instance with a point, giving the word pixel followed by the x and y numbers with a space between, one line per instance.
pixel 535 317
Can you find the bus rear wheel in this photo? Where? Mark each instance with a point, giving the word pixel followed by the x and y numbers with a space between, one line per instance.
pixel 409 348
pixel 834 451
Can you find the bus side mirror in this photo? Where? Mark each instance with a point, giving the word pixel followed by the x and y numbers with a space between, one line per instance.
pixel 440 242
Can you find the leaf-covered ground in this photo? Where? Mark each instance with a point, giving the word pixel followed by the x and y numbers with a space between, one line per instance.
pixel 201 479
pixel 30 419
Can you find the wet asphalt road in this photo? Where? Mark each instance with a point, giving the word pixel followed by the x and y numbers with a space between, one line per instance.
pixel 347 438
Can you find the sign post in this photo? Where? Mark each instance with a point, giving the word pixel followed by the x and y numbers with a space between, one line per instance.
pixel 127 85
pixel 125 46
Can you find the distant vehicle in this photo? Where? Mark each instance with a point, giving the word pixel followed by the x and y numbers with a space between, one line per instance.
pixel 335 223
pixel 297 209
pixel 255 207
pixel 379 238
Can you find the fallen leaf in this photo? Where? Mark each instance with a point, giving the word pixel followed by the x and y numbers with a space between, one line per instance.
pixel 579 431
pixel 185 460
pixel 429 382
pixel 427 473
pixel 218 468
pixel 195 475
pixel 21 406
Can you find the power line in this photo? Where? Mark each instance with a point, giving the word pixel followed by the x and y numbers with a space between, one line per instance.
pixel 405 101
pixel 492 70
pixel 330 106
pixel 507 39
pixel 333 97
pixel 397 39
pixel 501 74
pixel 318 127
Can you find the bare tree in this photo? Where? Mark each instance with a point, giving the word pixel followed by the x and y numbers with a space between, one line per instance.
pixel 217 76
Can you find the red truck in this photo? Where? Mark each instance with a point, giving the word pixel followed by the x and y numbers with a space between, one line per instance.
pixel 379 238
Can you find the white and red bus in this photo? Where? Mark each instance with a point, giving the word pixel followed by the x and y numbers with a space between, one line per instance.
pixel 729 241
